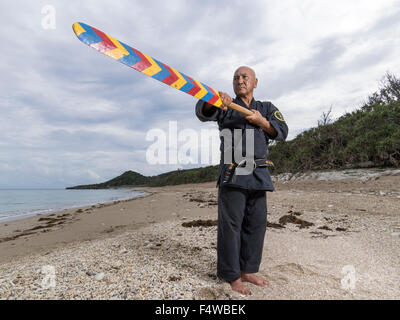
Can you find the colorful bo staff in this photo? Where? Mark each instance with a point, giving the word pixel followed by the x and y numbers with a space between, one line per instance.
pixel 149 66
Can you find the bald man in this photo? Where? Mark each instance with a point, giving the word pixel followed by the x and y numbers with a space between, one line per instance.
pixel 242 205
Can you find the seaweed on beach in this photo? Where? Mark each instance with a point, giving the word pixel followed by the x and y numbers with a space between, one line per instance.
pixel 325 228
pixel 200 223
pixel 275 225
pixel 291 218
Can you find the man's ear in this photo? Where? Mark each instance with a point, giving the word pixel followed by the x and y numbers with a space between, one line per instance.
pixel 255 83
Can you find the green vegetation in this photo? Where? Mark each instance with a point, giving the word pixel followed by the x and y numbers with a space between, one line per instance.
pixel 368 137
pixel 134 179
pixel 128 178
pixel 197 175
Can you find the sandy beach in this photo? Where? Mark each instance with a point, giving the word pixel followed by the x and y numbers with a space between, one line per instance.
pixel 326 239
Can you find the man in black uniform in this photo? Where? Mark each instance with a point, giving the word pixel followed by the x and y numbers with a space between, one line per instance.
pixel 242 207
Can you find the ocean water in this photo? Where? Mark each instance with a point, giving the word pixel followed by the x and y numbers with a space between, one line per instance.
pixel 18 204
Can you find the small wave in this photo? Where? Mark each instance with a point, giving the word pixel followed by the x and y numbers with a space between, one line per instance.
pixel 21 211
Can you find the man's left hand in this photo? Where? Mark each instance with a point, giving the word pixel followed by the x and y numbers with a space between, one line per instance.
pixel 256 118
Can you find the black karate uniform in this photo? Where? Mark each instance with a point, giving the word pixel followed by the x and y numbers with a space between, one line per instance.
pixel 242 206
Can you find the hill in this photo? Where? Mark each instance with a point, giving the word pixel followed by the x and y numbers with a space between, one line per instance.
pixel 128 178
pixel 134 179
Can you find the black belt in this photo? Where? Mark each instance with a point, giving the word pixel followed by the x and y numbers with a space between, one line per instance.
pixel 256 164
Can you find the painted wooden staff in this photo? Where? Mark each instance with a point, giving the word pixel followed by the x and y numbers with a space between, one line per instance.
pixel 149 66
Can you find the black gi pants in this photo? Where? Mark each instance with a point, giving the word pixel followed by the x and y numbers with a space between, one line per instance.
pixel 242 222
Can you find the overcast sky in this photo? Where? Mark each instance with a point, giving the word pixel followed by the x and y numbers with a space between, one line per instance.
pixel 70 115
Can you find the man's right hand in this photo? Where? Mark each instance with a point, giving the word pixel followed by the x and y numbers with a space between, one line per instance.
pixel 226 100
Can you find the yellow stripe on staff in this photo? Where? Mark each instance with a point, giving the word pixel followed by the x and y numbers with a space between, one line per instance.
pixel 153 69
pixel 118 52
pixel 218 103
pixel 202 91
pixel 180 82
pixel 78 29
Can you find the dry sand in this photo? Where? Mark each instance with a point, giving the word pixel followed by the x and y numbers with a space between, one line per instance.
pixel 335 239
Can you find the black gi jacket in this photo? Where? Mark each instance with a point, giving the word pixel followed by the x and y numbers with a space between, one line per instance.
pixel 260 178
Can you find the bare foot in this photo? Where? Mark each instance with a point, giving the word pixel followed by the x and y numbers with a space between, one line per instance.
pixel 252 278
pixel 238 286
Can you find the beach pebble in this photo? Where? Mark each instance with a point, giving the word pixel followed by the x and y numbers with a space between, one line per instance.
pixel 381 193
pixel 117 265
pixel 99 276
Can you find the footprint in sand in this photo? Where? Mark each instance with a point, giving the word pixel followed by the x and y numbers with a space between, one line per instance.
pixel 294 270
pixel 291 268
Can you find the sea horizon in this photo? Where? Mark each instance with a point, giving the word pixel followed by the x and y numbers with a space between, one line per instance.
pixel 20 203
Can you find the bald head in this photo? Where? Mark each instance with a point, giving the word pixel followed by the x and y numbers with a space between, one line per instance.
pixel 244 82
pixel 245 69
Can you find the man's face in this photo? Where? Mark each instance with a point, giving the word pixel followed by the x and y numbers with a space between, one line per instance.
pixel 244 81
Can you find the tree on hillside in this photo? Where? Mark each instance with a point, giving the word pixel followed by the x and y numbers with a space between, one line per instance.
pixel 388 92
pixel 325 118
